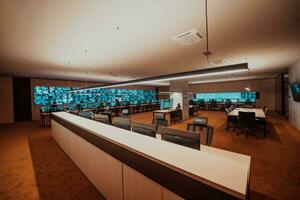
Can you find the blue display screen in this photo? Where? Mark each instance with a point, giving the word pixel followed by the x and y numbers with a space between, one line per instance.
pixel 50 95
pixel 223 96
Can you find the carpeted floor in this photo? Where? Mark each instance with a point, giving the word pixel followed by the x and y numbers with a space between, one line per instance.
pixel 32 165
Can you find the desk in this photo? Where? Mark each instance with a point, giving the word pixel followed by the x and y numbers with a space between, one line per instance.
pixel 165 112
pixel 259 114
pixel 143 167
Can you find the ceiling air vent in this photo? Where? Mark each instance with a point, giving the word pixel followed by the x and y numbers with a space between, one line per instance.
pixel 190 37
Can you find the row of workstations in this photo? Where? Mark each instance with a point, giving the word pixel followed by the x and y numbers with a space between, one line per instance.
pixel 125 164
pixel 133 108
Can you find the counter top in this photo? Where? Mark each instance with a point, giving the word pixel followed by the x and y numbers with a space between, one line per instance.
pixel 223 170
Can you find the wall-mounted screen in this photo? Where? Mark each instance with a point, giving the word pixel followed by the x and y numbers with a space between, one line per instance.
pixel 50 95
pixel 225 96
pixel 295 89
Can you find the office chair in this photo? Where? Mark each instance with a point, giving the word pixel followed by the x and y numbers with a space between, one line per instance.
pixel 213 105
pixel 206 133
pixel 159 120
pixel 231 120
pixel 184 138
pixel 102 118
pixel 145 129
pixel 86 114
pixel 247 123
pixel 262 123
pixel 175 116
pixel 125 113
pixel 201 104
pixel 123 123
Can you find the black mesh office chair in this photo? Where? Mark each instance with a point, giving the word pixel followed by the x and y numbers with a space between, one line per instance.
pixel 109 113
pixel 125 113
pixel 184 138
pixel 86 114
pixel 247 123
pixel 145 129
pixel 262 123
pixel 206 133
pixel 202 104
pixel 159 120
pixel 175 116
pixel 102 118
pixel 123 123
pixel 232 121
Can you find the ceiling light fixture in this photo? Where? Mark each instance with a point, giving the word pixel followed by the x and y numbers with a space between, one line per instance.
pixel 176 76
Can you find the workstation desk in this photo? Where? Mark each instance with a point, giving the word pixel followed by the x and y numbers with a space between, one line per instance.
pixel 127 165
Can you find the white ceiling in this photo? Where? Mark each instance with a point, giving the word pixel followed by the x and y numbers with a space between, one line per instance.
pixel 113 40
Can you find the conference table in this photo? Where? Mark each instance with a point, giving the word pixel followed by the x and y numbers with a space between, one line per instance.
pixel 259 114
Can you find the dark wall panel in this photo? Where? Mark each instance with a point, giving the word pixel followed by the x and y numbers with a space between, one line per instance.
pixel 22 99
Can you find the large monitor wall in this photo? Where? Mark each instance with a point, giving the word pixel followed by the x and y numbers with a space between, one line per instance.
pixel 223 96
pixel 51 95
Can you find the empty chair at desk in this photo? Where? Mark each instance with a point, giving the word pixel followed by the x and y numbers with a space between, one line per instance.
pixel 231 120
pixel 109 113
pixel 123 123
pixel 185 138
pixel 125 113
pixel 159 120
pixel 145 129
pixel 102 118
pixel 262 122
pixel 200 121
pixel 158 115
pixel 247 122
pixel 86 114
pixel 197 123
pixel 206 133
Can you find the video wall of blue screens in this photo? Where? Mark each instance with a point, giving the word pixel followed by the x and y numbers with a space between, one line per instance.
pixel 50 95
pixel 225 96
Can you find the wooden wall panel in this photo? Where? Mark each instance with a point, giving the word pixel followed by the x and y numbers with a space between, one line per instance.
pixel 6 100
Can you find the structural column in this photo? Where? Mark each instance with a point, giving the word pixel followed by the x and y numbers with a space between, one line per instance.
pixel 180 94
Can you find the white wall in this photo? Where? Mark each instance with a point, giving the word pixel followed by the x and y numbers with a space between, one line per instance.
pixel 177 99
pixel 294 107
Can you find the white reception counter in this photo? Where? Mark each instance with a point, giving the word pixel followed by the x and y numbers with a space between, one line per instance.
pixel 125 165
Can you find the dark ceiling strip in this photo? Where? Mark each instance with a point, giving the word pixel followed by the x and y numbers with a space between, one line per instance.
pixel 242 66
